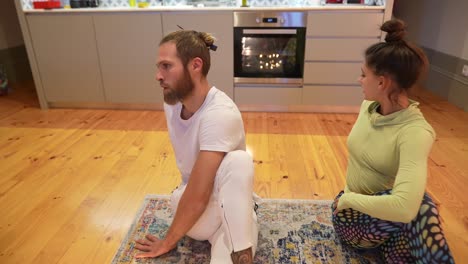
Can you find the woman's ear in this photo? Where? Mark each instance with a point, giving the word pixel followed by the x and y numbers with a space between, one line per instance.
pixel 384 82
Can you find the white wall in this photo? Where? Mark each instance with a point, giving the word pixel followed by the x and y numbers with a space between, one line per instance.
pixel 465 52
pixel 453 27
pixel 436 24
pixel 10 31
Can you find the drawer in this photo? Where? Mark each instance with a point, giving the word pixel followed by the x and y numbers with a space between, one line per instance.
pixel 267 96
pixel 358 24
pixel 332 72
pixel 337 49
pixel 343 96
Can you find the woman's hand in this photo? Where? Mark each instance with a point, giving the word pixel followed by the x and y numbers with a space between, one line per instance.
pixel 335 205
pixel 152 246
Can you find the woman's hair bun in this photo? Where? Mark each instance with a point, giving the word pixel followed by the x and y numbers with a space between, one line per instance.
pixel 396 30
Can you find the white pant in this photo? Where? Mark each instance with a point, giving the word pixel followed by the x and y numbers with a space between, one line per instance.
pixel 229 222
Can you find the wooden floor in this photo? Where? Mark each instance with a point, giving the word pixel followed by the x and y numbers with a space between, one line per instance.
pixel 71 181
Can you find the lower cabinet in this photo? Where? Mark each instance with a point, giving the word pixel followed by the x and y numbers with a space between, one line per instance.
pixel 350 23
pixel 111 58
pixel 267 96
pixel 333 73
pixel 334 57
pixel 346 97
pixel 67 58
pixel 309 98
pixel 128 48
pixel 337 49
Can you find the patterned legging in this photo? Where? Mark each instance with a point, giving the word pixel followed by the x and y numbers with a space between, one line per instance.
pixel 420 241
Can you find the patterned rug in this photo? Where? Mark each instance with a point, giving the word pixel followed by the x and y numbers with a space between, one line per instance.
pixel 291 231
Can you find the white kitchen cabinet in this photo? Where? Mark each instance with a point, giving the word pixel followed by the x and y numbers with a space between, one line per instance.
pixel 344 23
pixel 67 58
pixel 107 59
pixel 337 49
pixel 345 97
pixel 267 96
pixel 218 23
pixel 332 72
pixel 335 46
pixel 128 47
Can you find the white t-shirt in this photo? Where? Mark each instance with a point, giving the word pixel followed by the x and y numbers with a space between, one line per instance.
pixel 216 126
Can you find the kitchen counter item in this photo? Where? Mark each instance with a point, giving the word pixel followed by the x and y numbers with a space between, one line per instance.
pixel 84 3
pixel 210 3
pixel 46 4
pixel 142 3
pixel 66 4
pixel 75 3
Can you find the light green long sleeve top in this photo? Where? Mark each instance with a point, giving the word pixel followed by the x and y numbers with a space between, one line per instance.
pixel 387 152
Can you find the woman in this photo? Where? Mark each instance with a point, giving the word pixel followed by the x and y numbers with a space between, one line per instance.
pixel 384 203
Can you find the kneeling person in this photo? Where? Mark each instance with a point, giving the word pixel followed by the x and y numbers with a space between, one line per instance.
pixel 214 202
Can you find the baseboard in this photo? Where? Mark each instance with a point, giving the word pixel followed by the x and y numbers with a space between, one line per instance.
pixel 107 105
pixel 299 108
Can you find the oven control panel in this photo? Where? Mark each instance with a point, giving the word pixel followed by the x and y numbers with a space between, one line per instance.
pixel 270 19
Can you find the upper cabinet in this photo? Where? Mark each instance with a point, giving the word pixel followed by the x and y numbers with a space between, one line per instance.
pixel 67 58
pixel 218 23
pixel 128 47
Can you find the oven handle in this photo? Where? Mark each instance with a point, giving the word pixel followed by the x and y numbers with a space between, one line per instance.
pixel 270 31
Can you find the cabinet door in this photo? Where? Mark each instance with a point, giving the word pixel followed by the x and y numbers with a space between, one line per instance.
pixel 345 23
pixel 220 24
pixel 337 49
pixel 268 96
pixel 66 54
pixel 128 46
pixel 332 73
pixel 346 97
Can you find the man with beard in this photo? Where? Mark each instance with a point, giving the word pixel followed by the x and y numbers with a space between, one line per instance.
pixel 214 202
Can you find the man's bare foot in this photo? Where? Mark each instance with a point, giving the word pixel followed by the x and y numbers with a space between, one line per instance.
pixel 242 257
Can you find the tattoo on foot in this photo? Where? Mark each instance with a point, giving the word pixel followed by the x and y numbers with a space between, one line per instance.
pixel 242 257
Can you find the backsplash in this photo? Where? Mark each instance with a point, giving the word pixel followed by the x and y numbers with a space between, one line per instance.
pixel 27 4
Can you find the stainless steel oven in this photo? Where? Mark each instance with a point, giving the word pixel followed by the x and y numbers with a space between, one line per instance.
pixel 269 48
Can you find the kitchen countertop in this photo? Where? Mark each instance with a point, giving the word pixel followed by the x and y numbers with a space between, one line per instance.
pixel 192 8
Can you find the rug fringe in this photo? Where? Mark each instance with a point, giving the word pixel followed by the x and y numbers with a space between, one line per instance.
pixel 258 199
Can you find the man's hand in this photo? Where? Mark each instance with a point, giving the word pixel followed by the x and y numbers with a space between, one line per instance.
pixel 242 257
pixel 153 247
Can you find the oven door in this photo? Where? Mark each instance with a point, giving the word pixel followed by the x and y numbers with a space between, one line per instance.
pixel 269 55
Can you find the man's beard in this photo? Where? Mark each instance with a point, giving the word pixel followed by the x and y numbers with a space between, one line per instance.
pixel 181 90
